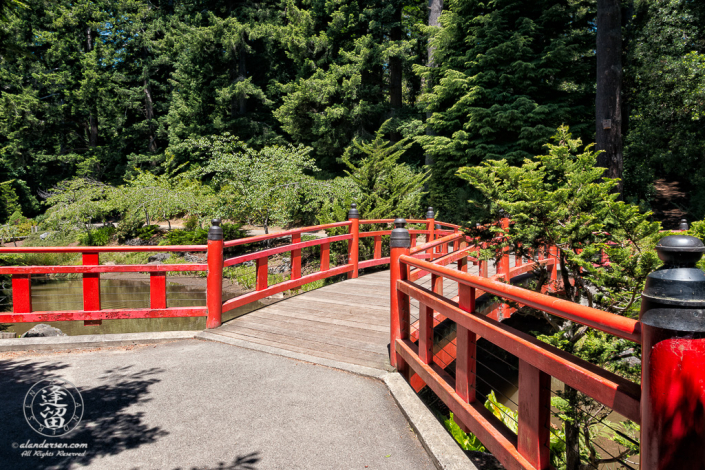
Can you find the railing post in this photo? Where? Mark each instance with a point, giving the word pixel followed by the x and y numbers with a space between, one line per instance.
pixel 354 244
pixel 91 287
pixel 214 283
pixel 296 258
pixel 534 415
pixel 400 243
pixel 553 254
pixel 21 293
pixel 673 353
pixel 503 267
pixel 430 227
pixel 466 341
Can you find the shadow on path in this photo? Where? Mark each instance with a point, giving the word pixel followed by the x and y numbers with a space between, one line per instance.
pixel 107 426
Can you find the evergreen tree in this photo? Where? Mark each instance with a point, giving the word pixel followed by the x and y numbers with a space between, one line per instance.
pixel 509 72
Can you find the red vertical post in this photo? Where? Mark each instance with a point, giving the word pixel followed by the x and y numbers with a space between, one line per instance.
pixel 21 293
pixel 296 258
pixel 157 290
pixel 425 333
pixel 430 228
pixel 466 342
pixel 504 260
pixel 325 256
pixel 214 281
pixel 91 287
pixel 553 254
pixel 484 271
pixel 413 240
pixel 437 283
pixel 399 302
pixel 262 270
pixel 378 247
pixel 673 354
pixel 534 415
pixel 354 244
pixel 518 261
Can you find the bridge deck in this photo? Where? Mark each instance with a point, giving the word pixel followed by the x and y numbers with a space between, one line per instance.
pixel 346 322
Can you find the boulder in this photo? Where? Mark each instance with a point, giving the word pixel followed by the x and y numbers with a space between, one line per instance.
pixel 194 258
pixel 44 235
pixel 43 330
pixel 161 257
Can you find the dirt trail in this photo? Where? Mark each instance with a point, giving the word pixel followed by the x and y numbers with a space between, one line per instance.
pixel 669 203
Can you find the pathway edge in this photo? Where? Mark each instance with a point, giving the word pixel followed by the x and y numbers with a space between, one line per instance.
pixel 52 343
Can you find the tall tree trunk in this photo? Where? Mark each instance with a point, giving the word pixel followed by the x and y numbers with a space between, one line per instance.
pixel 395 71
pixel 572 432
pixel 149 111
pixel 149 105
pixel 93 116
pixel 608 100
pixel 435 7
pixel 242 75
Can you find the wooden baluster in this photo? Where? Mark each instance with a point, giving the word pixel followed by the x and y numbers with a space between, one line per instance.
pixel 466 342
pixel 21 293
pixel 262 273
pixel 413 241
pixel 91 287
pixel 518 261
pixel 296 258
pixel 157 290
pixel 534 415
pixel 430 229
pixel 553 254
pixel 378 246
pixel 425 333
pixel 325 256
pixel 484 268
pixel 437 283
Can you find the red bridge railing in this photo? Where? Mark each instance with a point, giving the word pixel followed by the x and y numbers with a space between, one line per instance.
pixel 670 411
pixel 91 269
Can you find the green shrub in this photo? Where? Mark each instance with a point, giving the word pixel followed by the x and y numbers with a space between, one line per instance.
pixel 97 237
pixel 146 232
pixel 127 227
pixel 199 236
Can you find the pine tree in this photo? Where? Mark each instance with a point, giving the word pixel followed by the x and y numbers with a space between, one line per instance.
pixel 509 72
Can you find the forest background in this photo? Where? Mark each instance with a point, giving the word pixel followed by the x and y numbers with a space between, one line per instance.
pixel 109 90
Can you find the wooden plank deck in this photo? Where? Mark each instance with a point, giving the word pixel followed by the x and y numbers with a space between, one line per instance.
pixel 346 322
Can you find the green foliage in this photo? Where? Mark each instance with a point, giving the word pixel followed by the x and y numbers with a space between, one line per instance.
pixel 97 237
pixel 560 200
pixel 508 73
pixel 147 232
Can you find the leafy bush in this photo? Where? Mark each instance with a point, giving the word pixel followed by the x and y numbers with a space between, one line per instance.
pixel 146 232
pixel 127 228
pixel 199 236
pixel 97 237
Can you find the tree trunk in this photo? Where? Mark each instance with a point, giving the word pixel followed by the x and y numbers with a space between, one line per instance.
pixel 572 432
pixel 149 112
pixel 435 7
pixel 92 117
pixel 395 67
pixel 242 75
pixel 608 100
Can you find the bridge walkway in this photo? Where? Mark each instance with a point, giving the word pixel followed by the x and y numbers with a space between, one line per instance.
pixel 346 322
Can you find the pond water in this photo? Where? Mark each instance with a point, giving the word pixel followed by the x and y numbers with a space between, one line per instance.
pixel 56 295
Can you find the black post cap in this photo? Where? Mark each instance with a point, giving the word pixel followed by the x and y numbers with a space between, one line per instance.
pixel 683 225
pixel 674 295
pixel 400 235
pixel 429 213
pixel 215 232
pixel 353 213
pixel 680 250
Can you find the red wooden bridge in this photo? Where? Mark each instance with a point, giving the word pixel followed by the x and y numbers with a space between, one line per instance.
pixel 386 319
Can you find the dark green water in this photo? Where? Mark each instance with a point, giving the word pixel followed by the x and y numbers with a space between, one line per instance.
pixel 57 295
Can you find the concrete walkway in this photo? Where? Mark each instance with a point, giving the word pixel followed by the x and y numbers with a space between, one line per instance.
pixel 204 405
